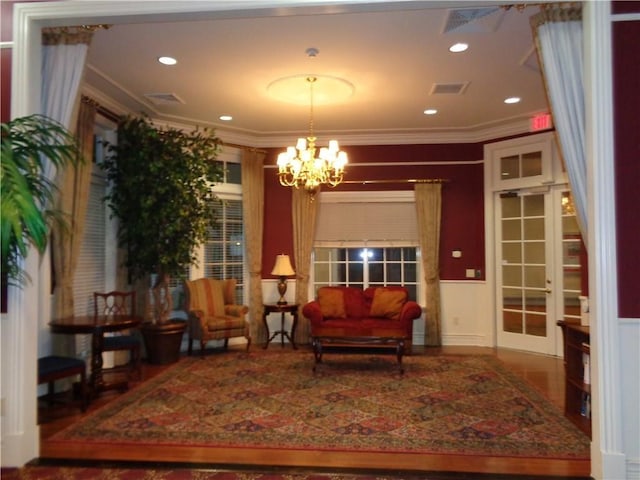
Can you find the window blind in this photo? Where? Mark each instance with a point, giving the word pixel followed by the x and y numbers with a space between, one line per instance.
pixel 372 222
pixel 89 275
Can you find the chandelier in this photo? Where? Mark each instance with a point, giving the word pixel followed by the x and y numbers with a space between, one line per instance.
pixel 300 167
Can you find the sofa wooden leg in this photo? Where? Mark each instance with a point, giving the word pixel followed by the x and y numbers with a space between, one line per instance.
pixel 317 352
pixel 400 353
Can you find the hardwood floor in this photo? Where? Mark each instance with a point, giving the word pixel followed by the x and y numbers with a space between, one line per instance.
pixel 543 372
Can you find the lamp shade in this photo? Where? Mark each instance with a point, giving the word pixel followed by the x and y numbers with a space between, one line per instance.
pixel 283 267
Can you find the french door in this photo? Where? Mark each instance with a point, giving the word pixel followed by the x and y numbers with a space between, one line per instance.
pixel 538 267
pixel 525 292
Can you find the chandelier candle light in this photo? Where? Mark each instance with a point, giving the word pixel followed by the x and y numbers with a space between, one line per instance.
pixel 283 269
pixel 299 166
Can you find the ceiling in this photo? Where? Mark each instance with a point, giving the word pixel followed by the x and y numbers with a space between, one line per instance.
pixel 379 66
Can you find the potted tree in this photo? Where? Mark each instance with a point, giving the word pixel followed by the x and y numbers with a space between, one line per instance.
pixel 161 181
pixel 27 193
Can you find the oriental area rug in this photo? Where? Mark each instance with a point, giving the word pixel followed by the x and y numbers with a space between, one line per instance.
pixel 445 404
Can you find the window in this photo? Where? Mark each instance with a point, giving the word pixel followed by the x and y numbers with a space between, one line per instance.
pixel 222 255
pixel 524 165
pixel 364 267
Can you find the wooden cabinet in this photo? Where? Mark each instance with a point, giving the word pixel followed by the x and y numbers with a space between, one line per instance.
pixel 577 363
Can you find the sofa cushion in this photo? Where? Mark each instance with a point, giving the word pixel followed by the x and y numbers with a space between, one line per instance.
pixel 388 303
pixel 331 302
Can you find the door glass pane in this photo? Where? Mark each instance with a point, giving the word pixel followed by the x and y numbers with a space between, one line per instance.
pixel 572 256
pixel 511 207
pixel 571 252
pixel 512 298
pixel 534 276
pixel 533 205
pixel 510 167
pixel 532 164
pixel 535 300
pixel 534 252
pixel 512 322
pixel 512 275
pixel 571 304
pixel 536 324
pixel 511 230
pixel 534 228
pixel 570 226
pixel 511 253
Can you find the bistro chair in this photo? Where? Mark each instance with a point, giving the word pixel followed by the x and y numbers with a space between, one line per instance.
pixel 54 367
pixel 120 303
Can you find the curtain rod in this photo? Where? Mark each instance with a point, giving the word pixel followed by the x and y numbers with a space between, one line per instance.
pixel 243 147
pixel 407 180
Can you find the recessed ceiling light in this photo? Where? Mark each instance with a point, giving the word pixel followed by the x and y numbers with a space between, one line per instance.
pixel 430 111
pixel 167 60
pixel 458 47
pixel 226 118
pixel 512 100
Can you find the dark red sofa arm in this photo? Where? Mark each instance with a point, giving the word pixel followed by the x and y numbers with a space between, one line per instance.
pixel 312 311
pixel 410 311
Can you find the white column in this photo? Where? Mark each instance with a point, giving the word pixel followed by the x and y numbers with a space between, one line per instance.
pixel 607 457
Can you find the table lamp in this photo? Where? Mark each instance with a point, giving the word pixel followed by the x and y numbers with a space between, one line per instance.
pixel 282 269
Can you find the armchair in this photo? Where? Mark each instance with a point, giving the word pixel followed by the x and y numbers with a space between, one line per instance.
pixel 213 314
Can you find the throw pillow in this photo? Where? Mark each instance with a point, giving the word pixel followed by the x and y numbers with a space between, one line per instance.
pixel 331 302
pixel 388 303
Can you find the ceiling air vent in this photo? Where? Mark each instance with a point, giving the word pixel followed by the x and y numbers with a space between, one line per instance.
pixel 448 88
pixel 164 98
pixel 474 20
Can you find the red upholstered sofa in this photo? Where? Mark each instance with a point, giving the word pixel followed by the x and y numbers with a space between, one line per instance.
pixel 352 316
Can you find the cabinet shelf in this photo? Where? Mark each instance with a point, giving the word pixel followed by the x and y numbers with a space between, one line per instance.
pixel 577 393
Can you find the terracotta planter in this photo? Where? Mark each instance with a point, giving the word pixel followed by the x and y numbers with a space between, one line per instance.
pixel 163 340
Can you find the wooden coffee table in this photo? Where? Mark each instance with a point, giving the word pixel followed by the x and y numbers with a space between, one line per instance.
pixel 318 344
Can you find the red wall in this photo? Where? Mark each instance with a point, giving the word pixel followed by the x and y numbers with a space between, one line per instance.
pixel 463 215
pixel 462 225
pixel 626 85
pixel 6 29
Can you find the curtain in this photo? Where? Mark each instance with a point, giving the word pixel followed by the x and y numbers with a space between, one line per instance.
pixel 253 214
pixel 304 210
pixel 74 184
pixel 64 54
pixel 558 39
pixel 428 210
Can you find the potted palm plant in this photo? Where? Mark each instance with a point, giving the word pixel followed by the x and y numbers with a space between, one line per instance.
pixel 161 181
pixel 27 193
